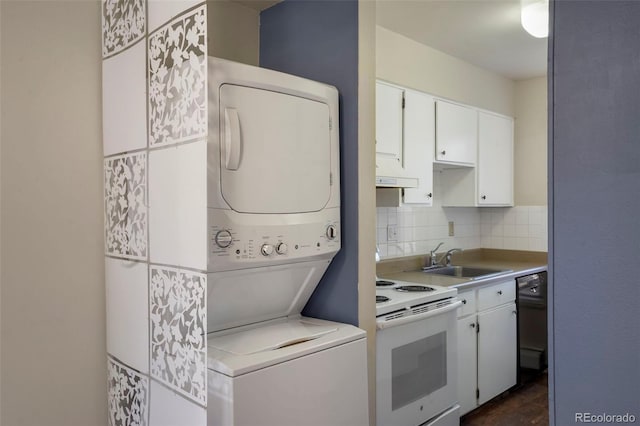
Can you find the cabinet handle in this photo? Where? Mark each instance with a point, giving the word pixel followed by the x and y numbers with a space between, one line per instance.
pixel 473 325
pixel 443 152
pixel 500 292
pixel 429 195
pixel 464 301
pixel 484 197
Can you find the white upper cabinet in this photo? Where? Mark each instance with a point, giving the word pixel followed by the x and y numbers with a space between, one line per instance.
pixel 389 101
pixel 472 150
pixel 495 160
pixel 490 182
pixel 419 143
pixel 391 170
pixel 456 133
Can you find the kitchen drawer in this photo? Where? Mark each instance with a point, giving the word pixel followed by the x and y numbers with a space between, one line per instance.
pixel 496 294
pixel 468 299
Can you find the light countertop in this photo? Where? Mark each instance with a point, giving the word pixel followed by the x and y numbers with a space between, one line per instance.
pixel 519 262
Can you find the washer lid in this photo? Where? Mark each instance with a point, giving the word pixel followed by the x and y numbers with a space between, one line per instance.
pixel 266 344
pixel 270 337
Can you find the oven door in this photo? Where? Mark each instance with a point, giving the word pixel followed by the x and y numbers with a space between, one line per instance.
pixel 416 367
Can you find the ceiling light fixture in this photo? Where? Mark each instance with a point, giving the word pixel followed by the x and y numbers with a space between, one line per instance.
pixel 534 16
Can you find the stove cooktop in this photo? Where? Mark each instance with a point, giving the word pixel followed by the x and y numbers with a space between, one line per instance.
pixel 414 288
pixel 402 294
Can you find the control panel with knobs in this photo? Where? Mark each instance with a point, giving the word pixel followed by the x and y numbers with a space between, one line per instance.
pixel 232 244
pixel 223 238
pixel 266 249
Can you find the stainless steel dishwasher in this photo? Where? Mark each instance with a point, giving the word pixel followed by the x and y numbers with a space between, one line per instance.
pixel 532 320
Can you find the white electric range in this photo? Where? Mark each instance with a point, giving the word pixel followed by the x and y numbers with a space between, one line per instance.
pixel 416 354
pixel 393 295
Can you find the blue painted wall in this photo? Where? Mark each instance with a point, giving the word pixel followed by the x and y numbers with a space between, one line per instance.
pixel 595 208
pixel 319 40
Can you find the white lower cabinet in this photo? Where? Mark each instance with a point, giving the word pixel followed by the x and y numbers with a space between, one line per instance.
pixel 487 344
pixel 467 364
pixel 497 351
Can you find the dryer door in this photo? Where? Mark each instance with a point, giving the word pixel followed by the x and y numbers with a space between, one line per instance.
pixel 275 151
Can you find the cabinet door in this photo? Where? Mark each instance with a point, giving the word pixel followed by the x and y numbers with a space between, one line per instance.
pixel 495 160
pixel 419 144
pixel 497 351
pixel 467 364
pixel 389 121
pixel 456 133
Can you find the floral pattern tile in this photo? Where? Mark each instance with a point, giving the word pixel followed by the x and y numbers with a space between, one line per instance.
pixel 123 22
pixel 178 321
pixel 125 187
pixel 177 80
pixel 128 396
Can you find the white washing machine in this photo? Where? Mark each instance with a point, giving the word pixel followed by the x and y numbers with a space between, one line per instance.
pixel 294 371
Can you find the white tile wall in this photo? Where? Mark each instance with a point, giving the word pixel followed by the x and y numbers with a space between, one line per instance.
pixel 128 312
pixel 178 205
pixel 154 96
pixel 170 409
pixel 162 11
pixel 516 228
pixel 420 229
pixel 124 101
pixel 128 395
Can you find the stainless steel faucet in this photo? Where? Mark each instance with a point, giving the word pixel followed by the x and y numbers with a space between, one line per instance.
pixel 447 256
pixel 433 257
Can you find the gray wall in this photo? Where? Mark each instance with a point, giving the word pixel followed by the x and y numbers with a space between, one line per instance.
pixel 594 103
pixel 233 31
pixel 53 295
pixel 319 40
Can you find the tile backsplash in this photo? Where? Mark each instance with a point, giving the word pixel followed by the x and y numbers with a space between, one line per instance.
pixel 419 229
pixel 515 228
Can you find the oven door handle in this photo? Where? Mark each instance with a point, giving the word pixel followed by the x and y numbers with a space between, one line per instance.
pixel 412 318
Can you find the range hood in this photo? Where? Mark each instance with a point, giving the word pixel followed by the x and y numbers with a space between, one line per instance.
pixel 391 174
pixel 396 182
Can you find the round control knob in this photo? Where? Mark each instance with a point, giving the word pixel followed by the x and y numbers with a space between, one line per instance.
pixel 223 238
pixel 266 249
pixel 332 232
pixel 281 248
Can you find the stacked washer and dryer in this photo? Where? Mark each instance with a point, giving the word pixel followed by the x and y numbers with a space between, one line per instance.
pixel 273 229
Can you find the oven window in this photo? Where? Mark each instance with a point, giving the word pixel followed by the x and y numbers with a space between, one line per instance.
pixel 418 369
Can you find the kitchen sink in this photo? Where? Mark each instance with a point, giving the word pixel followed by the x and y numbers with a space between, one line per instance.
pixel 465 271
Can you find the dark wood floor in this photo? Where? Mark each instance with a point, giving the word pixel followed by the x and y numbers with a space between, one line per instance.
pixel 527 404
